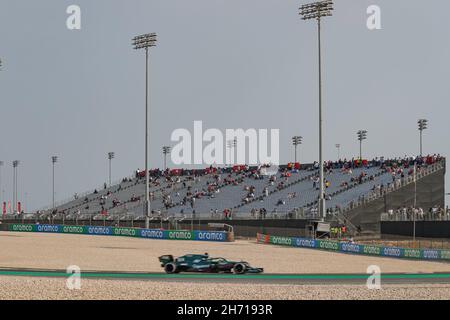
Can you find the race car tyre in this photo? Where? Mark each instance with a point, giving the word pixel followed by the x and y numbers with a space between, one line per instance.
pixel 239 268
pixel 170 268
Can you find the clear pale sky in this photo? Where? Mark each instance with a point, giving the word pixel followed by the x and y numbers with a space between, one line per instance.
pixel 79 94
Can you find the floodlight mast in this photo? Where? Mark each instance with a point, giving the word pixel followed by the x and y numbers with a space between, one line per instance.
pixel 146 41
pixel 296 140
pixel 166 151
pixel 338 147
pixel 423 124
pixel 318 10
pixel 234 143
pixel 230 145
pixel 362 135
pixel 54 160
pixel 111 156
pixel 15 164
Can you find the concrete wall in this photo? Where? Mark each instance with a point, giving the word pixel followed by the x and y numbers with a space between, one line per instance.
pixel 424 229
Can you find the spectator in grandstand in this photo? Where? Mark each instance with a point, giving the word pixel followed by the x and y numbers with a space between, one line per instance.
pixel 316 180
pixel 263 213
pixel 115 202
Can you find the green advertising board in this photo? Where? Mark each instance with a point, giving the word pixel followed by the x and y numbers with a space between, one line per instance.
pixel 217 236
pixel 354 248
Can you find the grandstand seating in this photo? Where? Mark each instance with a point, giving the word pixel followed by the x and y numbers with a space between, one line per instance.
pixel 215 190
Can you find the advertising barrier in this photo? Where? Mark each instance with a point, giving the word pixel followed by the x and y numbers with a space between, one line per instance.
pixel 355 248
pixel 220 236
pixel 22 227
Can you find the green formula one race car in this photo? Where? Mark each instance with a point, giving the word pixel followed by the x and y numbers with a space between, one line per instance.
pixel 203 263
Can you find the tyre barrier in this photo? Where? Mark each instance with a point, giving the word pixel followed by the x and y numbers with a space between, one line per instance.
pixel 354 248
pixel 216 236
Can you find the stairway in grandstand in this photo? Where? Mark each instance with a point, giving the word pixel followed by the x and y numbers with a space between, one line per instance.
pixel 364 212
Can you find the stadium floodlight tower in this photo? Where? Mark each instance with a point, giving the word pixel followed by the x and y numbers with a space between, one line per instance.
pixel 232 144
pixel 54 160
pixel 296 140
pixel 317 11
pixel 229 146
pixel 338 147
pixel 362 135
pixel 110 157
pixel 146 41
pixel 15 165
pixel 166 151
pixel 423 124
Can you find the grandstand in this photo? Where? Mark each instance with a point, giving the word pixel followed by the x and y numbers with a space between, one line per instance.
pixel 243 192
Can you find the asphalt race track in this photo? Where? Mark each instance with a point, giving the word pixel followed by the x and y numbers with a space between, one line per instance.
pixel 299 279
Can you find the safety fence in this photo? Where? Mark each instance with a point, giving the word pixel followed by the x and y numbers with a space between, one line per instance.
pixel 354 248
pixel 196 235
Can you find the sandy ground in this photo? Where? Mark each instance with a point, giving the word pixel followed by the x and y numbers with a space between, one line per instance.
pixel 57 251
pixel 55 288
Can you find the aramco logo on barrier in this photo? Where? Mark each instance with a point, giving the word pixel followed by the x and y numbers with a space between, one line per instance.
pixel 328 245
pixel 22 227
pixel 308 243
pixel 445 254
pixel 350 247
pixel 182 235
pixel 394 252
pixel 150 233
pixel 411 253
pixel 431 254
pixel 124 232
pixel 372 250
pixel 73 229
pixel 282 240
pixel 99 230
pixel 47 228
pixel 212 236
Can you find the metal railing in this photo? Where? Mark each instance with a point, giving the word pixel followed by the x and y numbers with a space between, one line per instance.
pixel 421 243
pixel 408 216
pixel 398 184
